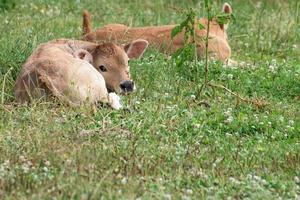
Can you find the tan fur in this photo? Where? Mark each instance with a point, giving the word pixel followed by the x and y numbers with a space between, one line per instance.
pixel 160 36
pixel 62 68
pixel 87 27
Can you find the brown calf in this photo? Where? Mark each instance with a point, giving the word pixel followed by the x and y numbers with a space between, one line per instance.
pixel 77 71
pixel 160 36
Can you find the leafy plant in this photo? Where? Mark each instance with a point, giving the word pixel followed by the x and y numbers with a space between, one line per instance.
pixel 188 52
pixel 7 4
pixel 185 54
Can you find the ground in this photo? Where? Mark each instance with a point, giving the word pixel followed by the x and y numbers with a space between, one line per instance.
pixel 167 143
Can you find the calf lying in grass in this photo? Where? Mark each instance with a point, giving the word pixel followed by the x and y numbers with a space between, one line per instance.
pixel 78 71
pixel 160 36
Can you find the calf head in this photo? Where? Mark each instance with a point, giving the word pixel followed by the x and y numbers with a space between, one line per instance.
pixel 111 61
pixel 218 33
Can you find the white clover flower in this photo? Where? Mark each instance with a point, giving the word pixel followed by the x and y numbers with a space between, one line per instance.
pixel 184 197
pixel 68 161
pixel 189 191
pixel 6 164
pixel 45 169
pixel 25 168
pixel 228 134
pixel 197 126
pixel 273 137
pixel 281 118
pixel 274 62
pixel 22 158
pixel 167 197
pixel 272 68
pixel 228 112
pixel 230 76
pixel 229 119
pixel 291 122
pixel 269 123
pixel 242 64
pixel 124 181
pixel 295 46
pixel 193 96
pixel 47 163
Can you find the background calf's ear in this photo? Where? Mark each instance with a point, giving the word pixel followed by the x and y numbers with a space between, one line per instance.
pixel 83 55
pixel 227 8
pixel 136 49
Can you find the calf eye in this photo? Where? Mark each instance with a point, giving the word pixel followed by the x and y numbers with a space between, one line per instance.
pixel 102 68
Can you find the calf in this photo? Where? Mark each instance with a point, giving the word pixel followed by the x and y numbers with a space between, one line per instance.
pixel 160 36
pixel 77 71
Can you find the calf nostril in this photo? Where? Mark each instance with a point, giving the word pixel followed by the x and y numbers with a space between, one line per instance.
pixel 123 86
pixel 127 86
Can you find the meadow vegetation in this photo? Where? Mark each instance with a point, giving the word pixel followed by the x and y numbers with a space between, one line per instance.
pixel 168 142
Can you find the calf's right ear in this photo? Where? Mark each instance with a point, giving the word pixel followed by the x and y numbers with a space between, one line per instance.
pixel 83 55
pixel 136 48
pixel 227 8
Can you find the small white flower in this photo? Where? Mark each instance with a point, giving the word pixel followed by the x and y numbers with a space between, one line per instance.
pixel 272 68
pixel 291 122
pixel 281 118
pixel 25 168
pixel 230 76
pixel 228 134
pixel 68 161
pixel 184 197
pixel 273 136
pixel 189 191
pixel 197 125
pixel 274 61
pixel 6 164
pixel 295 46
pixel 47 163
pixel 167 197
pixel 193 96
pixel 229 119
pixel 124 181
pixel 242 64
pixel 22 158
pixel 269 123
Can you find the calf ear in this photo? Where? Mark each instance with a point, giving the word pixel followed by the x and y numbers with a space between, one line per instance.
pixel 227 8
pixel 83 55
pixel 136 49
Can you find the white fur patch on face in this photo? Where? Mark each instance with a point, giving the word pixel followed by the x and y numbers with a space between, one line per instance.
pixel 114 101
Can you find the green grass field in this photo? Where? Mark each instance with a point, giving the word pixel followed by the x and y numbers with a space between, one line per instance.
pixel 166 144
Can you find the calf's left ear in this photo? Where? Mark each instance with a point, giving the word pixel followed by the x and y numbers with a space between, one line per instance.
pixel 136 48
pixel 83 55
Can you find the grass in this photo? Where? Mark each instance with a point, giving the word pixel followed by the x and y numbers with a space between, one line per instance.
pixel 166 144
